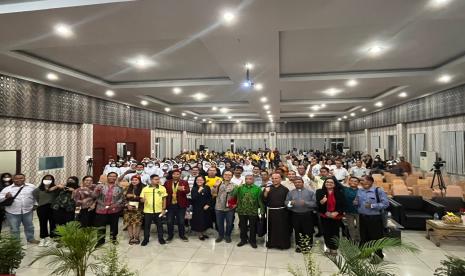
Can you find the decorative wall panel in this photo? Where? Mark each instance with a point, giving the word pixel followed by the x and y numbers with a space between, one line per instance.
pixel 28 100
pixel 38 139
pixel 291 127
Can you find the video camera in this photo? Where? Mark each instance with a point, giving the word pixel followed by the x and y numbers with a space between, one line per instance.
pixel 438 164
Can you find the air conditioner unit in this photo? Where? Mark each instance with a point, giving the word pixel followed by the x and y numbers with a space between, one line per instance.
pixel 381 153
pixel 427 159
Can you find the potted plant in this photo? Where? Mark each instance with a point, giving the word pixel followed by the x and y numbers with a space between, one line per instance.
pixel 311 267
pixel 109 264
pixel 453 266
pixel 11 254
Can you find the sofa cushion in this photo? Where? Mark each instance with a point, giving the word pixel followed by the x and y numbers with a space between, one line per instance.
pixel 410 202
pixel 451 204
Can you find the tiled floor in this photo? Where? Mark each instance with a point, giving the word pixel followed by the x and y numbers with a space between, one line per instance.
pixel 209 259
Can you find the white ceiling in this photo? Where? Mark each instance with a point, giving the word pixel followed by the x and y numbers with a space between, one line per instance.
pixel 299 49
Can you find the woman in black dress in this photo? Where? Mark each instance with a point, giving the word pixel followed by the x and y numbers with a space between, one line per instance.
pixel 201 204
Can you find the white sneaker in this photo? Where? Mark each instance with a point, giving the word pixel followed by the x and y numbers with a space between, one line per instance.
pixel 42 243
pixel 48 241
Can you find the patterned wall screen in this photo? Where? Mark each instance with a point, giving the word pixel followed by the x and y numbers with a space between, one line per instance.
pixel 445 104
pixel 28 100
pixel 294 127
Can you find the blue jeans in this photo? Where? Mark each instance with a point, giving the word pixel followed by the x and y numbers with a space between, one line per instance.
pixel 221 217
pixel 15 222
pixel 175 214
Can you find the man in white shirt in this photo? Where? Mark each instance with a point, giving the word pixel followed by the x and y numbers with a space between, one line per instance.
pixel 358 170
pixel 153 169
pixel 340 172
pixel 139 171
pixel 22 208
pixel 112 168
pixel 247 168
pixel 302 172
pixel 238 178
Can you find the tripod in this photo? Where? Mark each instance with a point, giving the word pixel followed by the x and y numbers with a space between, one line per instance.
pixel 441 184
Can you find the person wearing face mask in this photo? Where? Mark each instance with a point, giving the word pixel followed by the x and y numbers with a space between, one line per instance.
pixel 190 178
pixel 124 167
pixel 84 202
pixel 44 210
pixel 138 171
pixel 64 206
pixel 5 180
pixel 151 169
pixel 112 168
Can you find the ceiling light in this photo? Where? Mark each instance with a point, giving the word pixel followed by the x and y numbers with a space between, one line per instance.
pixel 311 115
pixel 445 78
pixel 141 62
pixel 209 122
pixel 249 66
pixel 228 17
pixel 258 86
pixel 263 99
pixel 438 3
pixel 224 110
pixel 177 90
pixel 339 119
pixel 167 109
pixel 247 84
pixel 52 76
pixel 183 114
pixel 204 120
pixel 379 104
pixel 322 105
pixel 63 30
pixel 266 106
pixel 352 83
pixel 352 114
pixel 237 121
pixel 110 93
pixel 364 109
pixel 195 118
pixel 271 119
pixel 403 94
pixel 268 111
pixel 214 108
pixel 332 91
pixel 376 50
pixel 144 102
pixel 229 117
pixel 315 107
pixel 270 115
pixel 345 117
pixel 199 96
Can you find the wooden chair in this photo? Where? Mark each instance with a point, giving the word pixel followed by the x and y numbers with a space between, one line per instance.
pixel 400 190
pixel 426 193
pixel 386 187
pixel 411 180
pixel 454 191
pixel 103 178
pixel 398 182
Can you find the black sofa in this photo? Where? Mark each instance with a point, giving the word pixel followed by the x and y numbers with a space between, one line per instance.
pixel 451 204
pixel 415 211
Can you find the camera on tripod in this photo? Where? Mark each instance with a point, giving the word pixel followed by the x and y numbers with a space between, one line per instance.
pixel 438 164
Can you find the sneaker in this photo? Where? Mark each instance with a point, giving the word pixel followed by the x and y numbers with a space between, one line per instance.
pixel 33 242
pixel 254 245
pixel 42 243
pixel 242 243
pixel 228 239
pixel 162 241
pixel 48 241
pixel 218 240
pixel 144 243
pixel 184 238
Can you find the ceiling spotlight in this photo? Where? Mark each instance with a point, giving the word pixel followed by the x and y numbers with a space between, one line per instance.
pixel 195 118
pixel 345 117
pixel 271 120
pixel 322 105
pixel 224 110
pixel 52 76
pixel 237 121
pixel 110 93
pixel 258 86
pixel 204 120
pixel 311 115
pixel 445 78
pixel 403 94
pixel 352 83
pixel 376 50
pixel 144 102
pixel 332 91
pixel 266 106
pixel 379 104
pixel 141 62
pixel 249 66
pixel 364 109
pixel 177 90
pixel 229 117
pixel 63 30
pixel 352 114
pixel 263 99
pixel 209 122
pixel 438 3
pixel 228 17
pixel 167 109
pixel 247 84
pixel 183 114
pixel 315 107
pixel 339 119
pixel 268 111
pixel 214 108
pixel 199 96
pixel 270 115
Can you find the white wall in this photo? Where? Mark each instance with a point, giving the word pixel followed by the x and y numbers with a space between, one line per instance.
pixel 38 139
pixel 170 145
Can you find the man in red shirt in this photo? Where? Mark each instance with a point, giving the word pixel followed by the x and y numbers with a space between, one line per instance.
pixel 176 203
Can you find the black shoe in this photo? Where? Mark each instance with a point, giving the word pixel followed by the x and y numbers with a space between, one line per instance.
pixel 218 240
pixel 162 241
pixel 228 239
pixel 202 238
pixel 184 238
pixel 144 243
pixel 254 245
pixel 170 238
pixel 318 235
pixel 298 250
pixel 242 243
pixel 205 236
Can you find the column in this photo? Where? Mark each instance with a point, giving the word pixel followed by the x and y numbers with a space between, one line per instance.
pixel 183 141
pixel 367 141
pixel 402 148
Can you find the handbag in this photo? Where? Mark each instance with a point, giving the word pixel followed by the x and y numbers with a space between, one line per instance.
pixel 9 201
pixel 231 203
pixel 261 226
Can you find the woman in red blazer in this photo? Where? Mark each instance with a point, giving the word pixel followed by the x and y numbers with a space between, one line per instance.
pixel 176 204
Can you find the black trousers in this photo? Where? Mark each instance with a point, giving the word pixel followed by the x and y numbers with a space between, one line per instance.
pixel 330 231
pixel 317 221
pixel 62 217
pixel 86 217
pixel 148 219
pixel 2 217
pixel 303 227
pixel 371 228
pixel 101 221
pixel 251 220
pixel 45 214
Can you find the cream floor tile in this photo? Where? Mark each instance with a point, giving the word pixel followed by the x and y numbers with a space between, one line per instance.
pixel 176 253
pixel 246 258
pixel 233 270
pixel 432 258
pixel 410 270
pixel 198 269
pixel 209 256
pixel 277 272
pixel 162 267
pixel 277 260
pixel 33 272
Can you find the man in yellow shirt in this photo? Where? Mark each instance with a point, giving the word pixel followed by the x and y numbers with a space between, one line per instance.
pixel 211 178
pixel 154 199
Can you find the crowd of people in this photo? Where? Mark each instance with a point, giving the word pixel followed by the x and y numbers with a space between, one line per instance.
pixel 272 194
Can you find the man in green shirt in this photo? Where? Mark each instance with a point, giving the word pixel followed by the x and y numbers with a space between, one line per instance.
pixel 249 205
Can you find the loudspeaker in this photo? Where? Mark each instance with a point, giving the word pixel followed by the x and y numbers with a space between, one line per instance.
pixel 201 147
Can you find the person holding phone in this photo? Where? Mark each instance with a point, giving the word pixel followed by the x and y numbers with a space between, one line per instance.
pixel 63 205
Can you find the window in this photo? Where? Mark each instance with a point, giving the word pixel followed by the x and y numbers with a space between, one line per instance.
pixel 417 144
pixel 52 162
pixel 453 151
